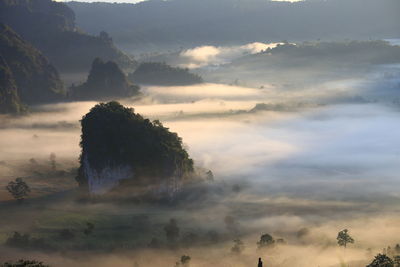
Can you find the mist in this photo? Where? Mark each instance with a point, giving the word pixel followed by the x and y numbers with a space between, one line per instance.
pixel 324 167
pixel 289 111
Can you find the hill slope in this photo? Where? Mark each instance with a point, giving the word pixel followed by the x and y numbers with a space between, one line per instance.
pixel 50 26
pixel 27 70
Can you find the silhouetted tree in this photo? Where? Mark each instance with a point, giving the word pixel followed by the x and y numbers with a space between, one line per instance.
pixel 396 261
pixel 24 263
pixel 266 240
pixel 344 238
pixel 381 260
pixel 18 189
pixel 172 231
pixel 184 261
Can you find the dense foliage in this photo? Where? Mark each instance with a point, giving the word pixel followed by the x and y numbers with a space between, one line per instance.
pixel 323 54
pixel 105 80
pixel 18 189
pixel 381 260
pixel 24 67
pixel 163 74
pixel 113 135
pixel 50 26
pixel 24 263
pixel 9 99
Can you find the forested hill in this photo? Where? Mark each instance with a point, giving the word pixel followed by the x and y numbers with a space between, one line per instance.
pixel 50 27
pixel 149 25
pixel 26 74
pixel 162 74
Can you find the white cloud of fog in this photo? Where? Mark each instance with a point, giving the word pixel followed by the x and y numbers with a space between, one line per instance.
pixel 325 168
pixel 212 55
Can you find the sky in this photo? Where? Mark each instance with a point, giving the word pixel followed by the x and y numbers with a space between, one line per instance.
pixel 137 1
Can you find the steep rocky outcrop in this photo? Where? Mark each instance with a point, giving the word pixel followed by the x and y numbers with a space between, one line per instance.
pixel 50 26
pixel 106 80
pixel 123 150
pixel 27 71
pixel 163 74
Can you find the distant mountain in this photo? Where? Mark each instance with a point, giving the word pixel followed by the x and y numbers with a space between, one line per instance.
pixel 121 149
pixel 163 74
pixel 50 26
pixel 26 74
pixel 327 54
pixel 296 65
pixel 106 80
pixel 162 25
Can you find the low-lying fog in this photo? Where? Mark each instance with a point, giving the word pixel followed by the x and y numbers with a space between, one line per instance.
pixel 309 161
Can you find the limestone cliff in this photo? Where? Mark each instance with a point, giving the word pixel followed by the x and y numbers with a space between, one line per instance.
pixel 123 150
pixel 106 80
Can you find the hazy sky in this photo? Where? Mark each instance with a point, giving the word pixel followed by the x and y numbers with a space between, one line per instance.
pixel 137 1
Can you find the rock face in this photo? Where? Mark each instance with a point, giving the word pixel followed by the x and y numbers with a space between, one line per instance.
pixel 106 80
pixel 50 26
pixel 163 74
pixel 123 150
pixel 27 70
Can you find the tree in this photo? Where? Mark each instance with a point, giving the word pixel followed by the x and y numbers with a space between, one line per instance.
pixel 344 238
pixel 184 261
pixel 381 260
pixel 18 189
pixel 396 261
pixel 24 263
pixel 266 240
pixel 238 246
pixel 172 231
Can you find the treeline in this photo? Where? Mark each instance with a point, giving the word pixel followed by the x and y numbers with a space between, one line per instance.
pixel 162 74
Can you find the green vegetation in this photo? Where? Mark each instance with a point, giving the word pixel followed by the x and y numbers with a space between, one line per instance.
pixel 50 26
pixel 9 99
pixel 163 74
pixel 24 263
pixel 266 240
pixel 18 189
pixel 114 135
pixel 344 238
pixel 25 73
pixel 381 260
pixel 106 80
